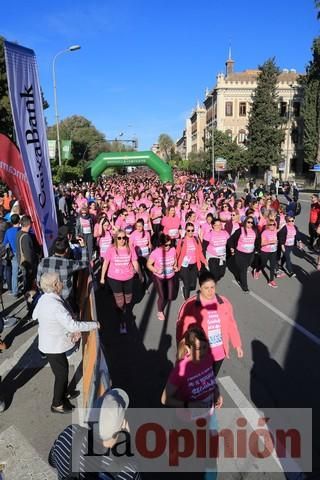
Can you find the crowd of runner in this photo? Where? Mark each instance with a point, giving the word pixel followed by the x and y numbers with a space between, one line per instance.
pixel 135 232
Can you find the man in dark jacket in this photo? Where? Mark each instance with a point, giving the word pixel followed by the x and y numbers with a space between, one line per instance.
pixel 26 254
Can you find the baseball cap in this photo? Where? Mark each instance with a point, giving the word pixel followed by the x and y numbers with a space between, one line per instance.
pixel 112 412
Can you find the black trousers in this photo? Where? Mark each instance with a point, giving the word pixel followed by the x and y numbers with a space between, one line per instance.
pixel 270 257
pixel 312 233
pixel 166 290
pixel 243 261
pixel 189 276
pixel 60 368
pixel 218 271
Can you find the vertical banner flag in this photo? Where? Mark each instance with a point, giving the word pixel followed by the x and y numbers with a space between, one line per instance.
pixel 27 112
pixel 52 149
pixel 66 149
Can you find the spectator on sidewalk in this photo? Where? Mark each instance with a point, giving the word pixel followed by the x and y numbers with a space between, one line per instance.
pixel 66 267
pixel 112 426
pixel 9 240
pixel 26 254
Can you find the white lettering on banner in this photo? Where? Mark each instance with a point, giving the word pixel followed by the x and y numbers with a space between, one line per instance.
pixel 27 112
pixel 13 171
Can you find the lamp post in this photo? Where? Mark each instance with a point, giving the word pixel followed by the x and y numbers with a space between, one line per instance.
pixel 289 125
pixel 212 136
pixel 72 48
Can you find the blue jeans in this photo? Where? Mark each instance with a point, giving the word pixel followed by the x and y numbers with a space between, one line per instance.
pixel 14 275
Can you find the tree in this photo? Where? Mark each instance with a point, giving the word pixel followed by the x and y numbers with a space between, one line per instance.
pixel 198 162
pixel 166 146
pixel 226 148
pixel 317 5
pixel 311 107
pixel 265 135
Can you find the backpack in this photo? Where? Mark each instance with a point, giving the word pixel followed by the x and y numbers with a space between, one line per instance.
pixel 298 208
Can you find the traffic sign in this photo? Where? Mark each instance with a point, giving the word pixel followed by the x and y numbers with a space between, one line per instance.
pixel 220 164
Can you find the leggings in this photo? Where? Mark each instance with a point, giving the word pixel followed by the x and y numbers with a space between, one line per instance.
pixel 60 368
pixel 166 291
pixel 189 277
pixel 122 292
pixel 272 258
pixel 286 259
pixel 218 271
pixel 243 261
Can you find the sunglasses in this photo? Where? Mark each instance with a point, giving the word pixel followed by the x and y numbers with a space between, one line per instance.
pixel 233 215
pixel 167 245
pixel 190 230
pixel 225 206
pixel 271 224
pixel 121 238
pixel 291 221
pixel 249 223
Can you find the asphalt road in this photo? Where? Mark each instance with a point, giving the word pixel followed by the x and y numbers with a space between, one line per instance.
pixel 281 339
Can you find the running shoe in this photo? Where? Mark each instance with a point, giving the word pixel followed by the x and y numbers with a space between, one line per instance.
pixel 273 284
pixel 292 275
pixel 161 316
pixel 280 274
pixel 246 290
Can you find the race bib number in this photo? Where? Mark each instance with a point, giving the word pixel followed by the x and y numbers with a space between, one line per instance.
pixel 215 337
pixel 273 248
pixel 221 251
pixel 86 230
pixel 173 232
pixel 290 242
pixel 168 270
pixel 249 247
pixel 144 251
pixel 185 262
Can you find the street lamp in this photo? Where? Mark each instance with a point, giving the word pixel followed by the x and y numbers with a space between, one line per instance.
pixel 289 126
pixel 212 136
pixel 72 48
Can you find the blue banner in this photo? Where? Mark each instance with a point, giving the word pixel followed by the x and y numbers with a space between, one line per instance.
pixel 27 112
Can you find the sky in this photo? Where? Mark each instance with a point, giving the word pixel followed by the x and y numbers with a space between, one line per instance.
pixel 144 64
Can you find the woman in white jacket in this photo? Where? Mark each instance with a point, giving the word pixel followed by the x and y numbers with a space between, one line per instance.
pixel 56 326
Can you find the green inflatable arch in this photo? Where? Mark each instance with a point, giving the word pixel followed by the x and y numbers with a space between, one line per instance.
pixel 129 159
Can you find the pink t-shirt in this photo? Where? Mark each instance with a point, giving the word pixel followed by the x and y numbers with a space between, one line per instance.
pixel 120 266
pixel 195 381
pixel 270 237
pixel 156 212
pixel 190 257
pixel 140 243
pixel 218 243
pixel 104 243
pixel 146 218
pixel 214 330
pixel 120 223
pixel 246 243
pixel 206 229
pixel 164 261
pixel 171 226
pixel 291 235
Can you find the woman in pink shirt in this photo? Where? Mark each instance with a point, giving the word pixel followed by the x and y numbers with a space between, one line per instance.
pixel 189 259
pixel 194 361
pixel 204 232
pixel 121 222
pixel 155 217
pixel 140 241
pixel 225 213
pixel 103 233
pixel 120 264
pixel 130 219
pixel 216 250
pixel 268 252
pixel 144 214
pixel 162 263
pixel 171 224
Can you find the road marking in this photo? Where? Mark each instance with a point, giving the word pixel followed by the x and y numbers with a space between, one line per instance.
pixel 252 416
pixel 285 317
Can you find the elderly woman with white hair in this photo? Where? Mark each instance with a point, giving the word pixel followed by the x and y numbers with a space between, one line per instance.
pixel 56 326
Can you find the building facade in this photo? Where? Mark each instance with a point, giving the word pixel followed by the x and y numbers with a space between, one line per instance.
pixel 227 108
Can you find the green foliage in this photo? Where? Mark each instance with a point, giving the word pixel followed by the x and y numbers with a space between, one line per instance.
pixel 166 146
pixel 225 147
pixel 6 121
pixel 198 162
pixel 264 133
pixel 65 173
pixel 317 5
pixel 311 107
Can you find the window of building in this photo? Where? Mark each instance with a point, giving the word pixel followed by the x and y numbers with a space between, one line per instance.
pixel 283 109
pixel 242 136
pixel 242 109
pixel 229 109
pixel 296 109
pixel 229 133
